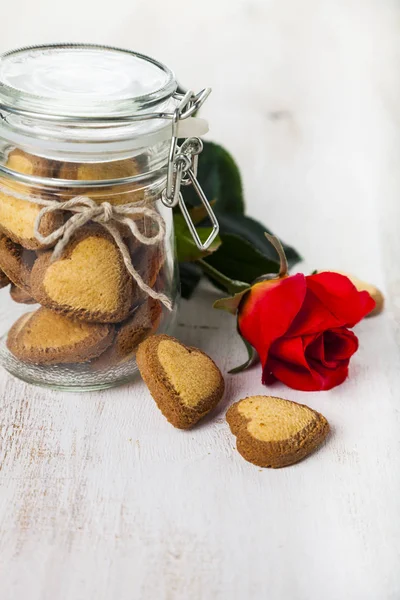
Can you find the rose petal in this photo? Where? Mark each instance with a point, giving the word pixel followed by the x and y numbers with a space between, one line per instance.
pixel 332 347
pixel 287 362
pixel 307 380
pixel 291 350
pixel 309 363
pixel 316 349
pixel 296 377
pixel 268 311
pixel 340 344
pixel 330 377
pixel 314 317
pixel 268 378
pixel 340 297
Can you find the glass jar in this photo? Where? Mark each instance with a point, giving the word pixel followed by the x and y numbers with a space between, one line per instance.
pixel 89 171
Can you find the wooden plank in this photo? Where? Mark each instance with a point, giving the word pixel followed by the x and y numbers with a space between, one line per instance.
pixel 100 497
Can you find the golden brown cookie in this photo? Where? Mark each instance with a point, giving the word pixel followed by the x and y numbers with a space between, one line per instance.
pixel 273 432
pixel 47 338
pixel 148 261
pixel 185 383
pixel 16 262
pixel 21 296
pixel 101 171
pixel 4 281
pixel 29 164
pixel 144 321
pixel 89 282
pixel 17 217
pixel 130 333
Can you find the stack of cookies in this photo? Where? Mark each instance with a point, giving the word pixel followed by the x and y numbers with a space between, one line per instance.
pixel 90 305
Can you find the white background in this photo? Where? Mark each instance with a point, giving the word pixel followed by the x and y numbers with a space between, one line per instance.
pixel 305 95
pixel 100 497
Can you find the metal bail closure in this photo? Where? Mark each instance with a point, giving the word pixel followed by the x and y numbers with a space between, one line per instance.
pixel 182 169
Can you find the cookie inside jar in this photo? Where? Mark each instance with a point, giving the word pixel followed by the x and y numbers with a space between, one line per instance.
pixel 87 264
pixel 102 276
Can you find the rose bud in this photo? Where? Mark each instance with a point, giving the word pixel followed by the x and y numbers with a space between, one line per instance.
pixel 299 325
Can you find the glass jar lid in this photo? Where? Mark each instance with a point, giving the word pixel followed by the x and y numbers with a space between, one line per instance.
pixel 91 103
pixel 82 81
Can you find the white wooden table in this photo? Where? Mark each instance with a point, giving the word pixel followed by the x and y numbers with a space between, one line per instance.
pixel 100 498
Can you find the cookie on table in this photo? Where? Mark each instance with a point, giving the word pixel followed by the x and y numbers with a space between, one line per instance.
pixel 89 282
pixel 273 432
pixel 16 262
pixel 21 296
pixel 45 337
pixel 4 281
pixel 17 217
pixel 185 383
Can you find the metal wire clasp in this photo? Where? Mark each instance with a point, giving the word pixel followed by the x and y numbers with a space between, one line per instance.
pixel 182 168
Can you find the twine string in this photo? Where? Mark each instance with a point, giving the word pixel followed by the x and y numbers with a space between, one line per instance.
pixel 85 209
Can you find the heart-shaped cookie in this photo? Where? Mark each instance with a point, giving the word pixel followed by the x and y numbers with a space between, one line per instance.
pixel 148 262
pixel 101 171
pixel 17 217
pixel 4 281
pixel 144 321
pixel 45 337
pixel 273 432
pixel 185 383
pixel 30 164
pixel 21 296
pixel 89 282
pixel 16 262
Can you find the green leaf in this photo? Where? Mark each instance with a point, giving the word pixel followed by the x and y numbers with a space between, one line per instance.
pixel 219 176
pixel 254 232
pixel 231 304
pixel 186 248
pixel 190 275
pixel 251 360
pixel 231 286
pixel 239 260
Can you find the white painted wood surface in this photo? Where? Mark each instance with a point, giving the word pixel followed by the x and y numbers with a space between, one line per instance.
pixel 100 497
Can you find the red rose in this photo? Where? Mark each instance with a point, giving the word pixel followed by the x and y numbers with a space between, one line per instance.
pixel 299 327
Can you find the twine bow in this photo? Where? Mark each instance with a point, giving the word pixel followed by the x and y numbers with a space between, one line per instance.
pixel 85 209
